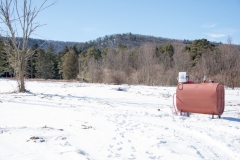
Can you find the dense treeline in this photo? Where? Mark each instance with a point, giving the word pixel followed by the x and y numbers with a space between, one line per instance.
pixel 148 64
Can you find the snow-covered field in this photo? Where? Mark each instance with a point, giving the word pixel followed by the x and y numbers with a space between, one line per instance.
pixel 74 121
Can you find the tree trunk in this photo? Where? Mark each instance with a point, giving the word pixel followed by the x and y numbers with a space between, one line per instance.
pixel 21 87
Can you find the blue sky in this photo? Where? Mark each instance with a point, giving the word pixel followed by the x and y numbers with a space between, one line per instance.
pixel 85 20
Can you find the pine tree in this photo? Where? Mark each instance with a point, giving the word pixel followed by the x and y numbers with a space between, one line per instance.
pixel 3 60
pixel 164 54
pixel 60 59
pixel 5 67
pixel 54 59
pixel 44 64
pixel 197 48
pixel 70 65
pixel 31 63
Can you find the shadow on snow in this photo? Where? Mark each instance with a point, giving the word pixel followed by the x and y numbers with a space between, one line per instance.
pixel 232 119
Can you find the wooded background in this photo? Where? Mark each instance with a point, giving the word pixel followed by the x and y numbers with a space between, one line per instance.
pixel 131 59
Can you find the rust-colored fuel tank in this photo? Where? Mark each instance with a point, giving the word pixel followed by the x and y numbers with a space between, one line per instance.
pixel 204 98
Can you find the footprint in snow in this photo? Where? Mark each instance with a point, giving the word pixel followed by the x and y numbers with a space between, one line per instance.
pixel 120 148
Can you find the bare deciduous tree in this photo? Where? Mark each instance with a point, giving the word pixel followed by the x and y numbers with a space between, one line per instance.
pixel 13 15
pixel 94 70
pixel 231 66
pixel 147 62
pixel 181 60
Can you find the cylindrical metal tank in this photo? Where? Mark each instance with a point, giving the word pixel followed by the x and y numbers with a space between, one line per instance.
pixel 204 98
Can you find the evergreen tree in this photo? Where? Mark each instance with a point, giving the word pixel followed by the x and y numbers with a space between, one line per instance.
pixel 121 47
pixel 64 51
pixel 54 59
pixel 3 63
pixel 93 52
pixel 3 59
pixel 5 67
pixel 105 51
pixel 60 60
pixel 51 48
pixel 59 65
pixel 197 48
pixel 75 49
pixel 70 65
pixel 31 63
pixel 165 53
pixel 44 64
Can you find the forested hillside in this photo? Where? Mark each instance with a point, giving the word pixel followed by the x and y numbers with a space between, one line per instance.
pixel 130 40
pixel 130 59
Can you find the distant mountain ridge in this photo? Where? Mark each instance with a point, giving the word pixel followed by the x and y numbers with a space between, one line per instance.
pixel 57 45
pixel 128 39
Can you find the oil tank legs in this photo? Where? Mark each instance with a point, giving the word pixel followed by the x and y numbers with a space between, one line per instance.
pixel 184 113
pixel 219 116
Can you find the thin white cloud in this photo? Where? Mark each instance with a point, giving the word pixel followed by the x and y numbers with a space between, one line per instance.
pixel 220 34
pixel 216 35
pixel 209 25
pixel 88 30
pixel 228 31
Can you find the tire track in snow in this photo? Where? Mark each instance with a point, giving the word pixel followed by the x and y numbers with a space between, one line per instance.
pixel 42 100
pixel 205 146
